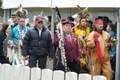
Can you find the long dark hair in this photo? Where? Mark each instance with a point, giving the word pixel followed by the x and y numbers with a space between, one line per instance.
pixel 112 26
pixel 4 26
pixel 79 25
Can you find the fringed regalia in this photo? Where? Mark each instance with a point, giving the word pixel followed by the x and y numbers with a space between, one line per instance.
pixel 82 33
pixel 15 55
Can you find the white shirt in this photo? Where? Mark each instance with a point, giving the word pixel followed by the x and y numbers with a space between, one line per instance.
pixel 40 30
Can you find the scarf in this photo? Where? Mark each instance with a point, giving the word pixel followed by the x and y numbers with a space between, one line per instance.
pixel 99 52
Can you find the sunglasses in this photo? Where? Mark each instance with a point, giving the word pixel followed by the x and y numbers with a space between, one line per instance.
pixel 40 22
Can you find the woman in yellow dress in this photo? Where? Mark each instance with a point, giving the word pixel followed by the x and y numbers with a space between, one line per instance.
pixel 82 32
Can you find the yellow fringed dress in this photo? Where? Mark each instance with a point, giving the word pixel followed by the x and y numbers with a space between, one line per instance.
pixel 82 35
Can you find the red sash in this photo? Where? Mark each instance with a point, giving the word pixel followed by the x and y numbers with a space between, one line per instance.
pixel 99 52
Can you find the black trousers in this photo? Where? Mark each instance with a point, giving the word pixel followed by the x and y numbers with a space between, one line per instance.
pixel 113 65
pixel 74 66
pixel 41 61
pixel 3 60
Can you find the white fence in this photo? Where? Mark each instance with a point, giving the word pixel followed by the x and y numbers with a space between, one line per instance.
pixel 8 72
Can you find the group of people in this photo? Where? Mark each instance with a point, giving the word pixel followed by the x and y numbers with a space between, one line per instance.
pixel 88 50
pixel 81 47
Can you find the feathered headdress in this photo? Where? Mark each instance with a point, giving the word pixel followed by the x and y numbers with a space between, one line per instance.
pixel 41 14
pixel 34 17
pixel 82 13
pixel 21 12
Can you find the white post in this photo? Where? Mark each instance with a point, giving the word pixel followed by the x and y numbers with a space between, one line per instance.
pixel 47 74
pixel 15 73
pixel 117 73
pixel 84 76
pixel 24 73
pixel 58 75
pixel 71 76
pixel 52 23
pixel 5 72
pixel 35 74
pixel 98 77
pixel 4 15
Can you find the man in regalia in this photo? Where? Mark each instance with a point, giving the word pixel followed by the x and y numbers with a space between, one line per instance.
pixel 99 44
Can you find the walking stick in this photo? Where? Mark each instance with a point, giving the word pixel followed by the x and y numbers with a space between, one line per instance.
pixel 92 72
pixel 91 67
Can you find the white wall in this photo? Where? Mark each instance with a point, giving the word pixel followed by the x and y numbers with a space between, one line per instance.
pixel 69 12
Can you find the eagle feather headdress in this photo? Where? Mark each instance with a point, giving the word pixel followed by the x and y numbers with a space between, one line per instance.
pixel 21 12
pixel 41 14
pixel 82 13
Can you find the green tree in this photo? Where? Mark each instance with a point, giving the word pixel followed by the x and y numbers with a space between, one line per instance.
pixel 1 10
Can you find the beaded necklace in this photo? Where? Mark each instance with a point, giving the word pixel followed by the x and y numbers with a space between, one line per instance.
pixel 22 32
